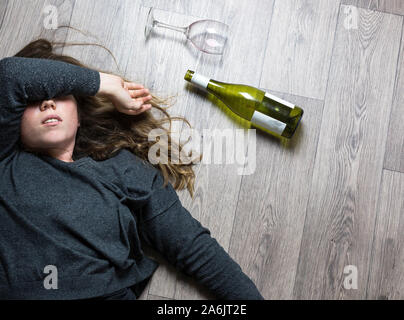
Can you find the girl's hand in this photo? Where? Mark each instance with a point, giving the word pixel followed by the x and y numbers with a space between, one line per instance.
pixel 127 97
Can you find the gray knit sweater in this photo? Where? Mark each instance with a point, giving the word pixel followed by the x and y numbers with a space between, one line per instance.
pixel 86 219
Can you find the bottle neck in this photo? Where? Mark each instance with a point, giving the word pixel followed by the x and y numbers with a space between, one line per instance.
pixel 200 81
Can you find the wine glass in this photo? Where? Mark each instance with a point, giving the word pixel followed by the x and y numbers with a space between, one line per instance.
pixel 209 36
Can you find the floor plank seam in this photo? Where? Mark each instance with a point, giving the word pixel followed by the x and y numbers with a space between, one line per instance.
pixel 69 24
pixel 71 17
pixel 395 90
pixel 332 54
pixel 235 213
pixel 267 43
pixel 307 205
pixel 374 236
pixel 392 170
pixel 375 222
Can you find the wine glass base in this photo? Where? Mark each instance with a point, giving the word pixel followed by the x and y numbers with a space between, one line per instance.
pixel 149 23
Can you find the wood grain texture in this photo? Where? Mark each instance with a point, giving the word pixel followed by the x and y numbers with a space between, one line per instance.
pixel 108 23
pixel 272 204
pixel 299 47
pixel 341 213
pixel 394 156
pixel 3 8
pixel 217 9
pixel 24 21
pixel 386 277
pixel 390 6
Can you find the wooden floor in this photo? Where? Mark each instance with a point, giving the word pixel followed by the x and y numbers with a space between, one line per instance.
pixel 331 197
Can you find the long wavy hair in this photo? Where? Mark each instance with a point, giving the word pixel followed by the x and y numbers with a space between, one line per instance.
pixel 104 131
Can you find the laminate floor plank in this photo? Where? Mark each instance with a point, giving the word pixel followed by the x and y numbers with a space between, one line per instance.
pixel 342 206
pixel 299 47
pixel 272 204
pixel 108 23
pixel 386 277
pixel 394 156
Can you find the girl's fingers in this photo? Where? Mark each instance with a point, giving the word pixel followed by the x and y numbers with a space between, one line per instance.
pixel 133 86
pixel 138 93
pixel 143 99
pixel 142 109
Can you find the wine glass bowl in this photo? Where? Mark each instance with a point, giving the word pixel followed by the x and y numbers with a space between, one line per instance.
pixel 209 36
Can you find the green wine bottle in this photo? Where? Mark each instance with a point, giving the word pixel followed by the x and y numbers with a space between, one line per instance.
pixel 264 110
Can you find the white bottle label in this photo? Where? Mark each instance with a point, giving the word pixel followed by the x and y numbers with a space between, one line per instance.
pixel 200 81
pixel 268 122
pixel 281 101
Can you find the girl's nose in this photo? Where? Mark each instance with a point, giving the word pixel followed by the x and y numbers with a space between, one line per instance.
pixel 46 104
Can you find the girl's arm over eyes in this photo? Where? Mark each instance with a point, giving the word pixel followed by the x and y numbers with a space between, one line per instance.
pixel 23 80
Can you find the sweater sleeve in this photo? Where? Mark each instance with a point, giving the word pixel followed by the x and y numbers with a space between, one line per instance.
pixel 24 80
pixel 186 244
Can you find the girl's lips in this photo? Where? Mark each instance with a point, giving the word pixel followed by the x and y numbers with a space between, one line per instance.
pixel 51 124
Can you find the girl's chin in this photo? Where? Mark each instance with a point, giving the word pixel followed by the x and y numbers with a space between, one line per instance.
pixel 52 144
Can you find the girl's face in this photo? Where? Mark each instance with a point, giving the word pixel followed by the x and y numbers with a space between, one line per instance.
pixel 59 136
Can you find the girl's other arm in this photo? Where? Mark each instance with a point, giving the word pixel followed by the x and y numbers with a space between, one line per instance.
pixel 190 248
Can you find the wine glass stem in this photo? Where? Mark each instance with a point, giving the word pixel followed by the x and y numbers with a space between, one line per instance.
pixel 168 26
